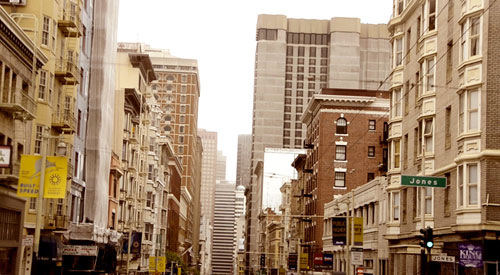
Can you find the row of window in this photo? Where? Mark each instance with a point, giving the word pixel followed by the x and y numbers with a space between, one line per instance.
pixel 300 85
pixel 341 152
pixel 468 194
pixel 300 51
pixel 470 43
pixel 312 61
pixel 300 77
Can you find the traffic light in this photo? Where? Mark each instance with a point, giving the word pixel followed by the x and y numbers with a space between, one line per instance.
pixel 427 238
pixel 262 260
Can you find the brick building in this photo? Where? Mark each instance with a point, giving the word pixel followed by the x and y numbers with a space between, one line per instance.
pixel 444 122
pixel 346 132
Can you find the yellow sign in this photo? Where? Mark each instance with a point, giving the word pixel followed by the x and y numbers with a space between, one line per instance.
pixel 56 171
pixel 29 176
pixel 157 264
pixel 358 230
pixel 55 182
pixel 152 264
pixel 161 264
pixel 304 259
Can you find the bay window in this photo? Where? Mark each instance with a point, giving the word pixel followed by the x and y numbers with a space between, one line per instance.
pixel 396 154
pixel 396 103
pixel 428 133
pixel 395 206
pixel 471 38
pixel 468 113
pixel 398 51
pixel 468 185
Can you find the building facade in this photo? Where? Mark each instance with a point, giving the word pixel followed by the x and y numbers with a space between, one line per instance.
pixel 224 234
pixel 178 90
pixel 368 202
pixel 295 59
pixel 244 155
pixel 347 148
pixel 444 75
pixel 221 167
pixel 208 173
pixel 20 62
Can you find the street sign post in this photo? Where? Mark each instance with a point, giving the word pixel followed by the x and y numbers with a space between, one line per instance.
pixel 420 181
pixel 443 258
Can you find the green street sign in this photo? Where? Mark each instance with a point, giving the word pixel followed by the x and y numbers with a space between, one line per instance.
pixel 423 181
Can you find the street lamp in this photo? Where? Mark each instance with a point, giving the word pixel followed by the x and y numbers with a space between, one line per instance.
pixel 60 151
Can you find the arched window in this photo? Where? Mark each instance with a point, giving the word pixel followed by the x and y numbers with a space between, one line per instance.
pixel 341 126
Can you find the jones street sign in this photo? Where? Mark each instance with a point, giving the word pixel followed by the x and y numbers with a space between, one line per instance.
pixel 423 181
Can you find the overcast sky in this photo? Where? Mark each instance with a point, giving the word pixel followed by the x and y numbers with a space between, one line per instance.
pixel 220 34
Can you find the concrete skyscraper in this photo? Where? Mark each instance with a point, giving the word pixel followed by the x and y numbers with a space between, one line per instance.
pixel 295 58
pixel 208 173
pixel 221 167
pixel 224 233
pixel 243 161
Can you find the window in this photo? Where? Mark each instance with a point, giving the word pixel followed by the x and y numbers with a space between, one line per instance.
pixel 289 50
pixel 45 31
pixel 340 152
pixel 181 139
pixel 408 45
pixel 148 232
pixel 183 108
pixel 369 177
pixel 312 61
pixel 183 99
pixel 428 130
pixel 324 53
pixel 431 15
pixel 428 200
pixel 43 85
pixel 449 61
pixel 181 149
pixel 429 69
pixel 468 114
pixel 149 196
pixel 400 7
pixel 150 171
pixel 341 126
pixel 312 53
pixel 447 130
pixel 396 103
pixel 468 181
pixel 32 204
pixel 184 78
pixel 181 129
pixel 398 51
pixel 395 206
pixel 183 89
pixel 301 51
pixel 339 179
pixel 371 125
pixel 405 152
pixel 79 122
pixel 407 98
pixel 396 154
pixel 471 38
pixel 371 151
pixel 38 139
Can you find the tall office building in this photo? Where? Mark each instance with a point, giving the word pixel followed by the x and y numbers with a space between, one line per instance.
pixel 243 160
pixel 224 233
pixel 178 90
pixel 208 173
pixel 294 59
pixel 444 121
pixel 221 167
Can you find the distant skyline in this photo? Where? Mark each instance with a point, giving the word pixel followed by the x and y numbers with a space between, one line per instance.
pixel 220 34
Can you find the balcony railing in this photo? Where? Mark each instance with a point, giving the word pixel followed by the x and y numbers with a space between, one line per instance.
pixel 67 71
pixel 64 121
pixel 19 103
pixel 70 23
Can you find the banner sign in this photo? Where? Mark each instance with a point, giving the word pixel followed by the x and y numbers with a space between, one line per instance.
pixel 56 172
pixel 304 260
pixel 323 261
pixel 423 181
pixel 357 256
pixel 471 255
pixel 339 230
pixel 157 264
pixel 358 231
pixel 5 154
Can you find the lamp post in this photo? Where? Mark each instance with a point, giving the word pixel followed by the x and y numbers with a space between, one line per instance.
pixel 61 151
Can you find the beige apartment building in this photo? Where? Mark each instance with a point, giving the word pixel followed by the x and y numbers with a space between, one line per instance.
pixel 369 202
pixel 142 210
pixel 295 59
pixel 444 122
pixel 178 90
pixel 20 62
